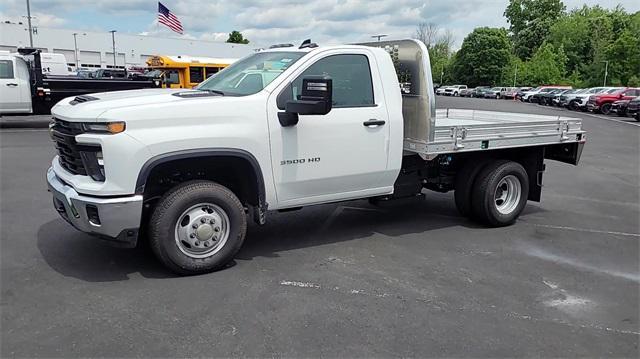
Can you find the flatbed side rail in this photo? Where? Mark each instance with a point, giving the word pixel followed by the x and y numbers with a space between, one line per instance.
pixel 472 130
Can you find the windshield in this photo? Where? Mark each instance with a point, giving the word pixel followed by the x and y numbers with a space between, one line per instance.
pixel 251 74
pixel 496 89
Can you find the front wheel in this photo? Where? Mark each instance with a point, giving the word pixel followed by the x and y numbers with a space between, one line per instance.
pixel 500 193
pixel 606 108
pixel 197 227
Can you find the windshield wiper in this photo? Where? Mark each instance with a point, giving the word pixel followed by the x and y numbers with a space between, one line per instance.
pixel 214 91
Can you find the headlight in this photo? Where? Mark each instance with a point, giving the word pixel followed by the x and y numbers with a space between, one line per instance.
pixel 105 127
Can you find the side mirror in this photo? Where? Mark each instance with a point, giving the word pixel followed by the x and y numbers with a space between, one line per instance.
pixel 316 98
pixel 621 95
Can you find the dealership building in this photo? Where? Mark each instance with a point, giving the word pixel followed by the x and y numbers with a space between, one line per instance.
pixel 95 49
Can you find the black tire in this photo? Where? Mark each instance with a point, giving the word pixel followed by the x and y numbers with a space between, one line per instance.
pixel 483 202
pixel 162 226
pixel 464 185
pixel 637 116
pixel 606 108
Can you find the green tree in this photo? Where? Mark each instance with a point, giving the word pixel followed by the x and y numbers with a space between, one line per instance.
pixel 624 58
pixel 483 57
pixel 530 21
pixel 591 36
pixel 237 38
pixel 547 66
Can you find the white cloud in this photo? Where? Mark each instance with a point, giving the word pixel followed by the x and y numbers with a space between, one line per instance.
pixel 279 21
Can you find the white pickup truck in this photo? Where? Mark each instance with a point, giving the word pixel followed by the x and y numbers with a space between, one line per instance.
pixel 187 168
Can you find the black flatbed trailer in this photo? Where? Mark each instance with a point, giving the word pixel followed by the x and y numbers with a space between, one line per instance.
pixel 47 90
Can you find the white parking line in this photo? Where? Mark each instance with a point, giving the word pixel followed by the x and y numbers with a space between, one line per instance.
pixel 583 230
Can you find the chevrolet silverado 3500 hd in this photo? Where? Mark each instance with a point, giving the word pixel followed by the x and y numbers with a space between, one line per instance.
pixel 186 168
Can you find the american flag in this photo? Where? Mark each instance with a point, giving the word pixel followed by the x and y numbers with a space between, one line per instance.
pixel 167 18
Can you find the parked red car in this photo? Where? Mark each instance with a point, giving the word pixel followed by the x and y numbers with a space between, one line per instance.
pixel 604 101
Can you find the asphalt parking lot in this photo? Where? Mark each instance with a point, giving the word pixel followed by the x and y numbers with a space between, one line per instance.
pixel 410 278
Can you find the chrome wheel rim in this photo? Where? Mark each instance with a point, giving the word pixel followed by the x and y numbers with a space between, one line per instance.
pixel 507 195
pixel 202 230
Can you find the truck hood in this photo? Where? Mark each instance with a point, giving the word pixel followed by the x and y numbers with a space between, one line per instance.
pixel 90 107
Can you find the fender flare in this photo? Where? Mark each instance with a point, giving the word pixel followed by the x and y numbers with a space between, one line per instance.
pixel 146 169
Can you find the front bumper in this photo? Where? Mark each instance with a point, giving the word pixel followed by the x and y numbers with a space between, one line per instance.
pixel 592 106
pixel 115 219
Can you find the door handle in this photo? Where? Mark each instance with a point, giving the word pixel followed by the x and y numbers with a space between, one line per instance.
pixel 373 122
pixel 12 84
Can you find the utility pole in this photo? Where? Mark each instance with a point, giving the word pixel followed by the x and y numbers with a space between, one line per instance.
pixel 113 40
pixel 515 75
pixel 379 36
pixel 29 22
pixel 606 72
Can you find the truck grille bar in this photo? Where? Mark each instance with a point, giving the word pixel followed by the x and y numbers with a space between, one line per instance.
pixel 63 135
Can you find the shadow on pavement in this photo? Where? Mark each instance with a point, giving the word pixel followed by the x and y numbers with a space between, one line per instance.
pixel 81 256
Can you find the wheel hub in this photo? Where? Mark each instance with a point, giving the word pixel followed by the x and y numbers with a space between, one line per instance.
pixel 202 230
pixel 507 194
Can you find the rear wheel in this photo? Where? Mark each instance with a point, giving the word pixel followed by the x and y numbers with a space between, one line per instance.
pixel 573 106
pixel 197 227
pixel 464 185
pixel 500 193
pixel 605 108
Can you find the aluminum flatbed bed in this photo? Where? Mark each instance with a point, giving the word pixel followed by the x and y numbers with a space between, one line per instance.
pixel 470 130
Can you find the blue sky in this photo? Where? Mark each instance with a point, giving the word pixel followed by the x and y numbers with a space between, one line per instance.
pixel 268 22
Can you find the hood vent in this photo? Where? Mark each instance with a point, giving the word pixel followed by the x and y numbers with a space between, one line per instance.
pixel 195 93
pixel 81 99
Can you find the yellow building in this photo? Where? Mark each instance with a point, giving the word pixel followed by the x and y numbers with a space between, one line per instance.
pixel 186 71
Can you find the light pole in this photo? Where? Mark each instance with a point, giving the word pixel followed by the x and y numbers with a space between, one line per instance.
pixel 75 44
pixel 515 75
pixel 29 22
pixel 113 41
pixel 606 72
pixel 379 36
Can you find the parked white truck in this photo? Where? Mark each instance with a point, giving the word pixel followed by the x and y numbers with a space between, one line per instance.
pixel 188 168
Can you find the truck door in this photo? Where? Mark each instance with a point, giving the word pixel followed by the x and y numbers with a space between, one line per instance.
pixel 15 91
pixel 339 155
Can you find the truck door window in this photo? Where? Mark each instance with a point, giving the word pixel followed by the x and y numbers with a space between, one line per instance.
pixel 196 74
pixel 6 69
pixel 351 75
